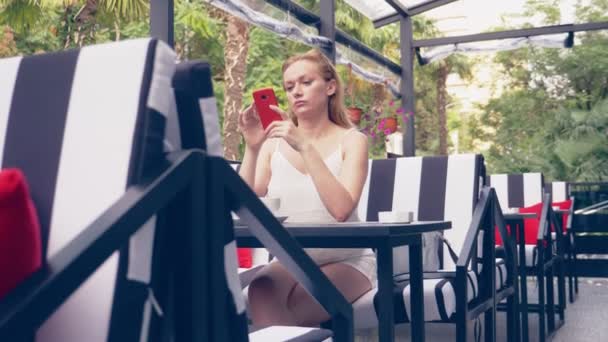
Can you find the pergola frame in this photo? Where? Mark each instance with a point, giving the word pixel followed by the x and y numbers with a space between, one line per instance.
pixel 162 27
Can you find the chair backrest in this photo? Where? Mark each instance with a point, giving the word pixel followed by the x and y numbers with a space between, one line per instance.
pixel 560 191
pixel 432 188
pixel 198 120
pixel 83 125
pixel 517 190
pixel 198 128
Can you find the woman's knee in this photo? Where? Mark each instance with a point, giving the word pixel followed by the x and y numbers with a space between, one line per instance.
pixel 261 288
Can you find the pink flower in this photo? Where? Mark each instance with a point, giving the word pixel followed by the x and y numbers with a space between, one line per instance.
pixel 399 110
pixel 387 131
pixel 392 103
pixel 381 124
pixel 373 134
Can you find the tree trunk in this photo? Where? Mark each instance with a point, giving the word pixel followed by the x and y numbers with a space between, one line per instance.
pixel 235 60
pixel 442 95
pixel 85 23
pixel 378 97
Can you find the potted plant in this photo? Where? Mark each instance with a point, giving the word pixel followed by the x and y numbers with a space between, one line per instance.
pixel 353 110
pixel 380 123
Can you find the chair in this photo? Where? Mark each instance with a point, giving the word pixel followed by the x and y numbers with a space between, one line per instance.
pixel 86 127
pixel 464 281
pixel 542 255
pixel 560 196
pixel 198 128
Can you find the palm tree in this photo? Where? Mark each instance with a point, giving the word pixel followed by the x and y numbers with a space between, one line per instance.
pixel 235 59
pixel 79 16
pixel 442 69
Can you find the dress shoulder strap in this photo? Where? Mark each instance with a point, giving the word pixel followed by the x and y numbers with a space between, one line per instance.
pixel 344 137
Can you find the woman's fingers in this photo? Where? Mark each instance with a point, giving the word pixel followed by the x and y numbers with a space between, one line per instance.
pixel 281 112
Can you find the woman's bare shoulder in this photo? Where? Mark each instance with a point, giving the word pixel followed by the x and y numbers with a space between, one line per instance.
pixel 353 136
pixel 354 141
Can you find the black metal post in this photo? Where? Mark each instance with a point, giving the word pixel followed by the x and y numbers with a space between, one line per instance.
pixel 327 26
pixel 161 20
pixel 407 85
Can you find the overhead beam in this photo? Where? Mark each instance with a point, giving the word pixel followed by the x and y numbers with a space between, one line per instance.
pixel 399 7
pixel 352 43
pixel 305 16
pixel 427 6
pixel 412 11
pixel 310 18
pixel 537 31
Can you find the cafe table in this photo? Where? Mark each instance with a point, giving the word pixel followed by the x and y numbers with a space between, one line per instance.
pixel 381 237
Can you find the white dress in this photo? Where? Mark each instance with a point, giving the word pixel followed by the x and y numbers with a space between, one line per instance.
pixel 300 202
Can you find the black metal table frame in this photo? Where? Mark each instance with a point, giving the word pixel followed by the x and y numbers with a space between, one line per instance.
pixel 382 237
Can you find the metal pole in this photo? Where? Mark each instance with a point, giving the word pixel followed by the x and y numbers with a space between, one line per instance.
pixel 161 20
pixel 327 27
pixel 407 85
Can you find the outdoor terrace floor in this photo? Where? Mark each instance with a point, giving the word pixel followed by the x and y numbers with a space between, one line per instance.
pixel 586 319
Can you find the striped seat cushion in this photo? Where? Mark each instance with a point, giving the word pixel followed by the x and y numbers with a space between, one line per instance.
pixel 517 190
pixel 84 125
pixel 439 298
pixel 560 191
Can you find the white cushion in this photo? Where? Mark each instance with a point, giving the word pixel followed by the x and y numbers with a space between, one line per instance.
pixel 283 333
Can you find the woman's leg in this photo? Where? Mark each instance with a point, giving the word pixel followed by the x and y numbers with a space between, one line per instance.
pixel 268 294
pixel 304 309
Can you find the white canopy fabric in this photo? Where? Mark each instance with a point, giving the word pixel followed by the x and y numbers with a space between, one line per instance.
pixel 378 9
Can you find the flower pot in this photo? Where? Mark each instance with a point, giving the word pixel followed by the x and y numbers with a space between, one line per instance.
pixel 390 124
pixel 354 114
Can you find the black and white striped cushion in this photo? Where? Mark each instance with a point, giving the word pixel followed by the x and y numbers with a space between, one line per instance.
pixel 83 125
pixel 433 188
pixel 559 191
pixel 517 190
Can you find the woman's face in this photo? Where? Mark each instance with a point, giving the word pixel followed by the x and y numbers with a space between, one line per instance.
pixel 307 92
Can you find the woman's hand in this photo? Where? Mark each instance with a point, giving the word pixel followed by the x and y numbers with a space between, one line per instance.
pixel 287 130
pixel 250 126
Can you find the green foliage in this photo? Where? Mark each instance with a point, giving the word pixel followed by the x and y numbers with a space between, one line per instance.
pixel 553 114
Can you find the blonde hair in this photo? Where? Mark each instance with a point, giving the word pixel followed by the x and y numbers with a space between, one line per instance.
pixel 336 109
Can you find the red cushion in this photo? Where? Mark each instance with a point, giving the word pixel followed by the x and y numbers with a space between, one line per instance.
pixel 565 205
pixel 245 258
pixel 20 246
pixel 531 224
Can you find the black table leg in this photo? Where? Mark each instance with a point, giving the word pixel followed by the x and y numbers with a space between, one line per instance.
pixel 386 315
pixel 416 291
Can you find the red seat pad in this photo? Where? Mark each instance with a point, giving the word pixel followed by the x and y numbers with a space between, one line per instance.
pixel 20 245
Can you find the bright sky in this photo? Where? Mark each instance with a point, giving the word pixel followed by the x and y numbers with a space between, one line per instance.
pixel 473 16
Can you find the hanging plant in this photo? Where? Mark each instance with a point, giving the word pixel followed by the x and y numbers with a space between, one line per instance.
pixel 354 112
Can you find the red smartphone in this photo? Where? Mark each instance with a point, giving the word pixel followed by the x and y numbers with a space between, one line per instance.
pixel 263 98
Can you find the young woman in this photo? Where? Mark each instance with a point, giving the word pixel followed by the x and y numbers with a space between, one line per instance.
pixel 316 163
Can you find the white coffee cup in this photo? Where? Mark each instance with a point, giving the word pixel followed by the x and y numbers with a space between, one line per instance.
pixel 272 203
